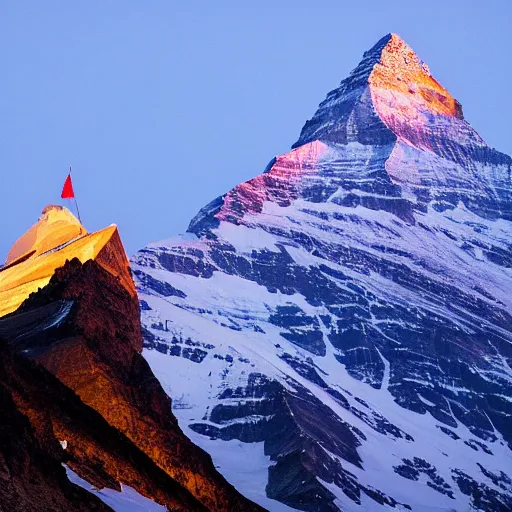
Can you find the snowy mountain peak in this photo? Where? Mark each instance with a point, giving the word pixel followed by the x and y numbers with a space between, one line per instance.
pixel 391 94
pixel 401 72
pixel 393 111
pixel 338 333
pixel 392 60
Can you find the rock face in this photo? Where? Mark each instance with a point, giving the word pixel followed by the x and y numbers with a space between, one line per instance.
pixel 56 226
pixel 30 469
pixel 73 372
pixel 336 331
pixel 55 239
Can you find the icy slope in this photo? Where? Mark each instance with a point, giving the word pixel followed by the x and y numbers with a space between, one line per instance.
pixel 346 314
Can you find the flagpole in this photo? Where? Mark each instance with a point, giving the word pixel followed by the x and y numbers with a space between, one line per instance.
pixel 76 202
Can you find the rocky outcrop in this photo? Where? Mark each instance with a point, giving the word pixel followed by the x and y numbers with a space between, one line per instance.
pixel 31 458
pixel 56 227
pixel 42 413
pixel 50 244
pixel 82 332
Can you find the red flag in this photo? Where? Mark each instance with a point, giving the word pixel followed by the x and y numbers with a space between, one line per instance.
pixel 67 189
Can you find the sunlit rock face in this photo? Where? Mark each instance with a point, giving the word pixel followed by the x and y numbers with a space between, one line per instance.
pixel 57 237
pixel 90 387
pixel 336 331
pixel 56 226
pixel 436 155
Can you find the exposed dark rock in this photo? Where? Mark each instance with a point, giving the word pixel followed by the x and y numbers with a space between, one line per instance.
pixel 94 349
pixel 482 496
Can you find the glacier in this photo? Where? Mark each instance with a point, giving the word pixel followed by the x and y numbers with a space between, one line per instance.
pixel 336 332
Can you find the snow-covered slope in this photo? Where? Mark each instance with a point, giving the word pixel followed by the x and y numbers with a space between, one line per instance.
pixel 336 332
pixel 126 500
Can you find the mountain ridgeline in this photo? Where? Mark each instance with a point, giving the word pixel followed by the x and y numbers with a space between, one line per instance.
pixel 336 332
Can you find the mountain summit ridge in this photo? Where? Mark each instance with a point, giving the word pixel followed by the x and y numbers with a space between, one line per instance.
pixel 390 76
pixel 56 226
pixel 389 102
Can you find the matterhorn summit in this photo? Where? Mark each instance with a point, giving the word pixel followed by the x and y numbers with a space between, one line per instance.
pixel 391 88
pixel 336 332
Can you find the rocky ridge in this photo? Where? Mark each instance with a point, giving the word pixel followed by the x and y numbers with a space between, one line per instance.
pixel 74 376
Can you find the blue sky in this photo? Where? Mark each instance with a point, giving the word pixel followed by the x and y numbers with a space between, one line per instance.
pixel 161 106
